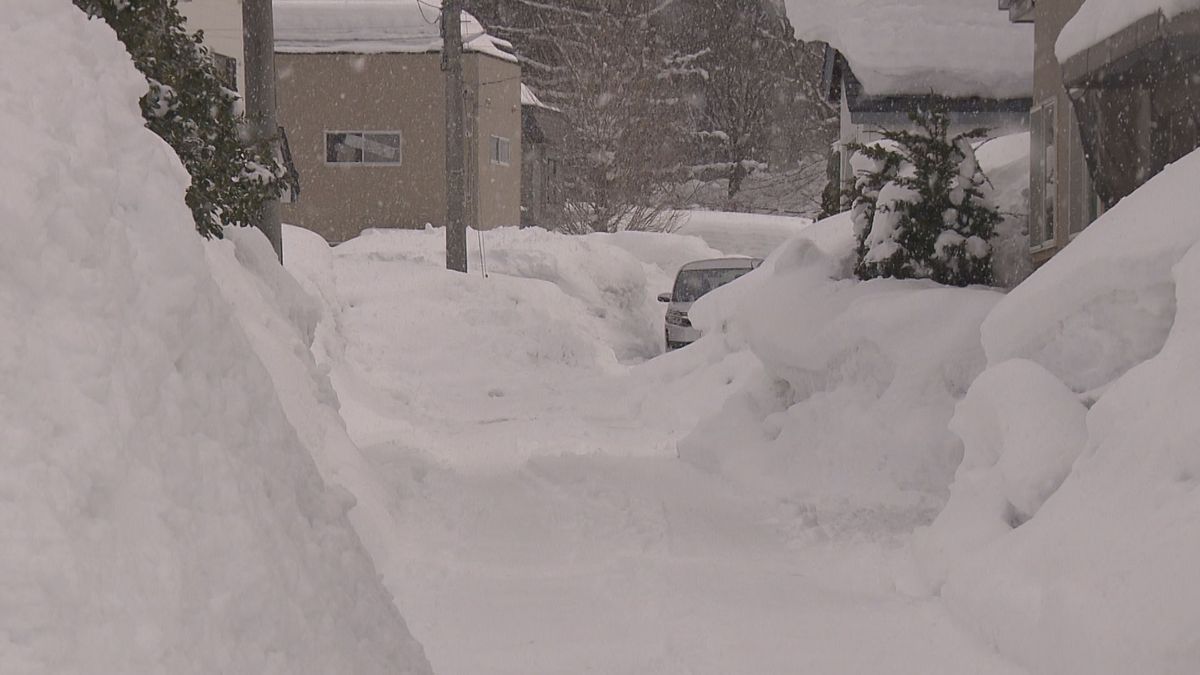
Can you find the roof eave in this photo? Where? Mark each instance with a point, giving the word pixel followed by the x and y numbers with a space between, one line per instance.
pixel 903 103
pixel 1148 49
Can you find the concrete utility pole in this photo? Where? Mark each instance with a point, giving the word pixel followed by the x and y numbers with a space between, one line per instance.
pixel 456 225
pixel 258 34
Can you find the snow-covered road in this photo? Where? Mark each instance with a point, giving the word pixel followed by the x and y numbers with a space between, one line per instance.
pixel 547 524
pixel 617 565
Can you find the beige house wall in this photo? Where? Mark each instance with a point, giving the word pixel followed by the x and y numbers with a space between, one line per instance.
pixel 221 21
pixel 397 92
pixel 497 112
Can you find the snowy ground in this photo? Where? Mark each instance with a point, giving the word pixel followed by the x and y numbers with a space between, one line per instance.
pixel 211 464
pixel 530 465
pixel 749 234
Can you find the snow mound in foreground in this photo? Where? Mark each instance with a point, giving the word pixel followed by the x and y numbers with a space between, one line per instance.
pixel 1099 577
pixel 859 382
pixel 1108 301
pixel 159 513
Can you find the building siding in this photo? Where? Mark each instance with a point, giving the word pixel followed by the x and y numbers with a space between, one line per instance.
pixel 497 108
pixel 390 92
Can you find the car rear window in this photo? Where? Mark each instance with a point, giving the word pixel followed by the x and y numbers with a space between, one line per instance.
pixel 691 285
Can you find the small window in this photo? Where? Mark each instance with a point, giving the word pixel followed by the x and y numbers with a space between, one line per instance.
pixel 371 148
pixel 501 149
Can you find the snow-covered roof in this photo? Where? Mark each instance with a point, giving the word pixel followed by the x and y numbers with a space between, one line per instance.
pixel 958 48
pixel 373 27
pixel 529 98
pixel 1098 20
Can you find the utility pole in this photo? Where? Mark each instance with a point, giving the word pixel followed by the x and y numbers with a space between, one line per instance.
pixel 456 225
pixel 258 34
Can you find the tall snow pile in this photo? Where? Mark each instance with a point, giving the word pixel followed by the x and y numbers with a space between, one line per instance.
pixel 283 321
pixel 857 384
pixel 159 512
pixel 617 277
pixel 1098 20
pixel 1072 538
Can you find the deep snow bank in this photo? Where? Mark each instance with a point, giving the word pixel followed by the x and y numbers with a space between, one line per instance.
pixel 616 276
pixel 1107 303
pixel 282 321
pixel 159 513
pixel 858 383
pixel 454 364
pixel 748 234
pixel 1098 575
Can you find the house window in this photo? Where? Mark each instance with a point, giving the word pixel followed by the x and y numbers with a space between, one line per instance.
pixel 369 148
pixel 227 70
pixel 501 149
pixel 1043 193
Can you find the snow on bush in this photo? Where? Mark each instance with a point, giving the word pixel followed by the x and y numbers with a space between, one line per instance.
pixel 920 211
pixel 858 384
pixel 1100 577
pixel 159 512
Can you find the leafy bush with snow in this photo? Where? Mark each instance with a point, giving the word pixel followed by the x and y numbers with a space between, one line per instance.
pixel 159 512
pixel 188 105
pixel 919 207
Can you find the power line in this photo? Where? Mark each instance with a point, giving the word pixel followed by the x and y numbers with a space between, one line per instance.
pixel 421 5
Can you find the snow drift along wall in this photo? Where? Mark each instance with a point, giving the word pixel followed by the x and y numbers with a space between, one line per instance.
pixel 857 384
pixel 158 512
pixel 1072 538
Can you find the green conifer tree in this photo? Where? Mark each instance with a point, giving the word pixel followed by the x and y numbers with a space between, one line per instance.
pixel 919 208
pixel 189 106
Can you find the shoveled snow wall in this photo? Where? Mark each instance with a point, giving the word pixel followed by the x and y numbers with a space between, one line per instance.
pixel 159 512
pixel 617 276
pixel 858 381
pixel 1072 537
